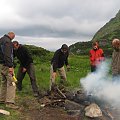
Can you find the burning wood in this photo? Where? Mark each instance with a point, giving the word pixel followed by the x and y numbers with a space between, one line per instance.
pixel 52 102
pixel 74 102
pixel 61 93
pixel 108 114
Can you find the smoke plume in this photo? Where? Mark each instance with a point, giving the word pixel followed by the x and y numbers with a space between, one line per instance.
pixel 100 85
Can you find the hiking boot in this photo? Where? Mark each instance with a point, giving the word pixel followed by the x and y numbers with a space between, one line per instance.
pixel 2 102
pixel 11 105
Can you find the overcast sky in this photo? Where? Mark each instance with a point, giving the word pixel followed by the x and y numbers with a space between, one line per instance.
pixel 50 23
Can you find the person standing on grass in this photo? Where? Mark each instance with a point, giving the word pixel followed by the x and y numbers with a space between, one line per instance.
pixel 57 64
pixel 96 56
pixel 26 66
pixel 116 60
pixel 8 88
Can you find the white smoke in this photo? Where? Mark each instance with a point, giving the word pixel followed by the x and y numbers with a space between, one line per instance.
pixel 100 85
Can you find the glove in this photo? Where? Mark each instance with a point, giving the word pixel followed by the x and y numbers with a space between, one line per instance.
pixel 14 79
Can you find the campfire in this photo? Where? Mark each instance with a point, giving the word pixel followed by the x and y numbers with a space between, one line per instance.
pixel 78 103
pixel 98 98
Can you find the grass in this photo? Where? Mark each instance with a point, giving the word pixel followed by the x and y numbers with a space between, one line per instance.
pixel 79 68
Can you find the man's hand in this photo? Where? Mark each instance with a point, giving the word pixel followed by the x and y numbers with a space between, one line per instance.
pixel 68 68
pixel 11 71
pixel 53 75
pixel 24 70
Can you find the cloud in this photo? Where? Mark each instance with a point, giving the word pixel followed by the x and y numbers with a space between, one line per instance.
pixel 56 18
pixel 46 43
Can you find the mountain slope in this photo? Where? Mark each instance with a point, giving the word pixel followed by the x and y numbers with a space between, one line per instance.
pixel 110 30
pixel 104 35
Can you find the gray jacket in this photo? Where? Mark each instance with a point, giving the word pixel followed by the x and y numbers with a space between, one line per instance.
pixel 6 51
pixel 116 62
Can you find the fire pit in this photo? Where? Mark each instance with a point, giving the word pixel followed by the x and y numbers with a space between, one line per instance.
pixel 75 103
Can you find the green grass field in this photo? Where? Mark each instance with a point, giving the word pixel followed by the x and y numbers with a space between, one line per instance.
pixel 79 68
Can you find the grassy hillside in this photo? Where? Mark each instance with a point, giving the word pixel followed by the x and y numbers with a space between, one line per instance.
pixel 105 35
pixel 83 48
pixel 110 30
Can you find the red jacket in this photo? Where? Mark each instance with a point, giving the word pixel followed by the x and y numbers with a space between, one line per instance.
pixel 96 56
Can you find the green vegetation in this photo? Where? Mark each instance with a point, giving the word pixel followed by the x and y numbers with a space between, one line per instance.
pixel 83 48
pixel 79 67
pixel 110 30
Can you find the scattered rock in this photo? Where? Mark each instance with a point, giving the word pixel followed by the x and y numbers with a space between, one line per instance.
pixel 93 110
pixel 4 112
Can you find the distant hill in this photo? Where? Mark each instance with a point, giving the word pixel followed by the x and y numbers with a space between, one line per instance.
pixel 110 30
pixel 39 52
pixel 104 35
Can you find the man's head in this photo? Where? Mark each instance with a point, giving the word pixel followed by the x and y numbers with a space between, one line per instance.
pixel 116 43
pixel 64 48
pixel 15 45
pixel 11 35
pixel 95 45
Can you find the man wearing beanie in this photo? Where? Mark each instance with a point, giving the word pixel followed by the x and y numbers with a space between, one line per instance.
pixel 57 64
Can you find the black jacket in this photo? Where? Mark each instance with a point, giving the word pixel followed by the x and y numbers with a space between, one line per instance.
pixel 59 59
pixel 6 51
pixel 23 56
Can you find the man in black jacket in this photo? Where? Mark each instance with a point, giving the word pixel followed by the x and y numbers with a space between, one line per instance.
pixel 8 87
pixel 26 65
pixel 57 63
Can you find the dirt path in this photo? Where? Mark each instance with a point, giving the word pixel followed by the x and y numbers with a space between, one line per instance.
pixel 48 113
pixel 31 110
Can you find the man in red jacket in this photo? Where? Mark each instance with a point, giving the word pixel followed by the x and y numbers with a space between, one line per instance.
pixel 96 56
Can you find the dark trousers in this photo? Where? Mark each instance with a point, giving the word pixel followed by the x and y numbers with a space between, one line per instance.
pixel 93 68
pixel 31 73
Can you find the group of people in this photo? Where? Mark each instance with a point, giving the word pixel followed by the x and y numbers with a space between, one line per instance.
pixel 97 56
pixel 9 50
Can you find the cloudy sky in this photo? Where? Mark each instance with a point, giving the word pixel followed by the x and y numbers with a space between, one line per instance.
pixel 50 23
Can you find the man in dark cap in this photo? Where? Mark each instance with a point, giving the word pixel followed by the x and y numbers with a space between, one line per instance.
pixel 57 64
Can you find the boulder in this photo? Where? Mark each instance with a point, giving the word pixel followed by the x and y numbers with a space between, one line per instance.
pixel 93 110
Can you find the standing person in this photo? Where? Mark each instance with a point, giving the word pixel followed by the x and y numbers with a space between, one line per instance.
pixel 57 64
pixel 8 88
pixel 96 56
pixel 26 65
pixel 116 60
